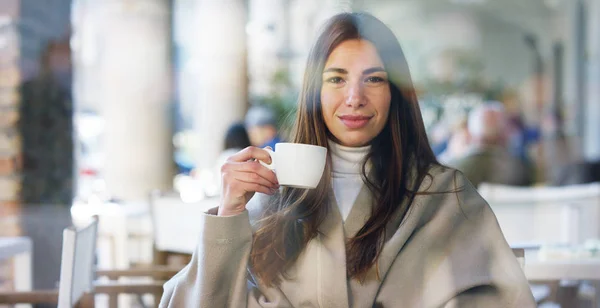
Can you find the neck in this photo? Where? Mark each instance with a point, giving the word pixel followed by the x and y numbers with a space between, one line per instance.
pixel 347 160
pixel 347 180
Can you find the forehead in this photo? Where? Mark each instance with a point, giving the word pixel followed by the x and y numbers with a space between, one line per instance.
pixel 354 52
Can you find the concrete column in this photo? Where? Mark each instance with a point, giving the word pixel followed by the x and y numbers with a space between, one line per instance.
pixel 572 34
pixel 127 61
pixel 268 43
pixel 214 79
pixel 306 19
pixel 591 141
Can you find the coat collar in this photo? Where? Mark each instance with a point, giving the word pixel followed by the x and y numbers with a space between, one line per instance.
pixel 335 234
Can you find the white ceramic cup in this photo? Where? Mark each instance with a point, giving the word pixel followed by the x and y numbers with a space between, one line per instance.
pixel 297 165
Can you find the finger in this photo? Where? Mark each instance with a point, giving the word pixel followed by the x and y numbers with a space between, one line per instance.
pixel 254 187
pixel 251 153
pixel 252 177
pixel 260 170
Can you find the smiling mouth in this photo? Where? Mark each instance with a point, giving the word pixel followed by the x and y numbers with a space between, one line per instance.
pixel 355 121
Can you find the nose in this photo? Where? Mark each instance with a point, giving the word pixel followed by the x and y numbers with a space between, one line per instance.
pixel 355 95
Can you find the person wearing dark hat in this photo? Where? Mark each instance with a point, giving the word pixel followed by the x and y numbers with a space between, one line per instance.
pixel 261 124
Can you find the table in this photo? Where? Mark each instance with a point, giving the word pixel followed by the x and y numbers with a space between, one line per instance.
pixel 537 269
pixel 557 269
pixel 21 249
pixel 563 269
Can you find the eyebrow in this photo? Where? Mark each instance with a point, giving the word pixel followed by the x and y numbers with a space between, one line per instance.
pixel 343 71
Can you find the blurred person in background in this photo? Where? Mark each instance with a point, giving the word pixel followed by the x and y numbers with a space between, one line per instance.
pixel 440 137
pixel 46 125
pixel 387 226
pixel 458 143
pixel 488 158
pixel 521 136
pixel 183 155
pixel 236 139
pixel 561 155
pixel 261 123
pixel 578 173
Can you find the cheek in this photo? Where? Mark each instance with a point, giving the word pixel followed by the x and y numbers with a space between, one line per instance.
pixel 381 101
pixel 329 103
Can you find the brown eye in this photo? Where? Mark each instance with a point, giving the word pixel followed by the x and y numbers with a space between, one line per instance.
pixel 335 80
pixel 374 79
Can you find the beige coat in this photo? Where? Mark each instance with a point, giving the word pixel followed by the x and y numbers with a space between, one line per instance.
pixel 448 252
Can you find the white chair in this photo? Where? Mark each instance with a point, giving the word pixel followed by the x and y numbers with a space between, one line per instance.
pixel 20 250
pixel 79 249
pixel 76 274
pixel 175 222
pixel 77 263
pixel 545 215
pixel 122 228
pixel 78 284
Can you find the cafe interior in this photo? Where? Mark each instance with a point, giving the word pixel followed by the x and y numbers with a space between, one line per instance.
pixel 114 116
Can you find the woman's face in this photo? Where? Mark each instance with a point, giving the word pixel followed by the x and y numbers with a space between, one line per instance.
pixel 355 95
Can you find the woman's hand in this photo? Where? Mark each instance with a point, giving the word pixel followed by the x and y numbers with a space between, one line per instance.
pixel 242 175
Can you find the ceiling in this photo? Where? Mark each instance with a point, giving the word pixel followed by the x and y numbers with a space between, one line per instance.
pixel 531 15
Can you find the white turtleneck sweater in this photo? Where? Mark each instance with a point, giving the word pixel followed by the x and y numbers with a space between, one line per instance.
pixel 347 180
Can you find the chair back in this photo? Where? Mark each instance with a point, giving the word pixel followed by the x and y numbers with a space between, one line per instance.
pixel 520 255
pixel 545 215
pixel 77 263
pixel 175 222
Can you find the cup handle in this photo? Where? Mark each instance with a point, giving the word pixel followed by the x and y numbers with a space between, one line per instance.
pixel 271 166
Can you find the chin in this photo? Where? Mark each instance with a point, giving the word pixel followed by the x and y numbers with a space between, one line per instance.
pixel 356 142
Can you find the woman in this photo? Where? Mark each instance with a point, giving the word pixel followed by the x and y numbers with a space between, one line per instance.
pixel 386 227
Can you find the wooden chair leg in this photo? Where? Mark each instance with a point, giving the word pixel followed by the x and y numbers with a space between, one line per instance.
pixel 157 297
pixel 178 259
pixel 160 257
pixel 113 300
pixel 87 301
pixel 567 295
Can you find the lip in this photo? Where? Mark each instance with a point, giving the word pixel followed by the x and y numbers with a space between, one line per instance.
pixel 355 121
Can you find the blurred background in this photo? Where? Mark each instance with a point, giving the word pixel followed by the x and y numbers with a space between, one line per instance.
pixel 104 102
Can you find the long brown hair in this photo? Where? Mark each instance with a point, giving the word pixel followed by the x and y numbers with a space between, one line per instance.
pixel 292 218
